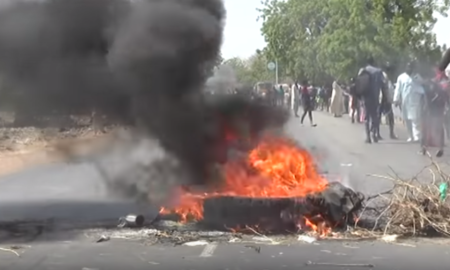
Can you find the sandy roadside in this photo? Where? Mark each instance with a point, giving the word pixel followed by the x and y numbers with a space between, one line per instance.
pixel 12 161
pixel 17 160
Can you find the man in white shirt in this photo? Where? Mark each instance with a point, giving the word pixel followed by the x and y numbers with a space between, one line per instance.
pixel 295 98
pixel 408 94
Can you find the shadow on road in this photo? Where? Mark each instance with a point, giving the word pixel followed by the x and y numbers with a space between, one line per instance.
pixel 62 220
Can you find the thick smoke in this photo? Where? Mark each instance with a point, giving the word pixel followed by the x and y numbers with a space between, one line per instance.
pixel 141 62
pixel 223 80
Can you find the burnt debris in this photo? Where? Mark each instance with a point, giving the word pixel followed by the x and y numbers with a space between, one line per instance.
pixel 336 206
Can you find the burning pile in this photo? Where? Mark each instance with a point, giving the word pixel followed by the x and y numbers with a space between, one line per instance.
pixel 145 64
pixel 275 187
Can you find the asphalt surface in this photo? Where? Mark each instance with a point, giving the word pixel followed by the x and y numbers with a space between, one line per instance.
pixel 123 254
pixel 74 193
pixel 336 142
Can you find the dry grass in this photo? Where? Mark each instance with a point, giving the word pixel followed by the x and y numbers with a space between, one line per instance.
pixel 413 207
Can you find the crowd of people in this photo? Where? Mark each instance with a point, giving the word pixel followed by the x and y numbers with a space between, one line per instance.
pixel 371 95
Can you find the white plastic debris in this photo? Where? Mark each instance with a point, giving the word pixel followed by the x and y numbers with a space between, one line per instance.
pixel 262 239
pixel 265 239
pixel 196 243
pixel 127 233
pixel 103 238
pixel 389 237
pixel 234 240
pixel 306 238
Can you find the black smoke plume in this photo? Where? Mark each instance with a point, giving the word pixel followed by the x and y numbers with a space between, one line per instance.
pixel 140 62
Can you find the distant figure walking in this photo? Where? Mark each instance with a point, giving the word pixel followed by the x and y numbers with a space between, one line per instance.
pixel 307 103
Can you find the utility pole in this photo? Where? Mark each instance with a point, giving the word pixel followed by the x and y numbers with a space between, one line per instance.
pixel 273 66
pixel 276 71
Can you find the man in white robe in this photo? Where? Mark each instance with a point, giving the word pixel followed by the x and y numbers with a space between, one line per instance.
pixel 408 94
pixel 337 100
pixel 295 98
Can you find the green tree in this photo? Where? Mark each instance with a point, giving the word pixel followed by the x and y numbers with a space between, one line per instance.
pixel 253 69
pixel 240 69
pixel 317 39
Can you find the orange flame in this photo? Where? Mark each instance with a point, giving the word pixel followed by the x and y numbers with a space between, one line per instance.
pixel 282 170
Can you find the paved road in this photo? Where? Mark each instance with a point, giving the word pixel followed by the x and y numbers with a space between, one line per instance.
pixel 337 140
pixel 75 192
pixel 134 255
pixel 48 191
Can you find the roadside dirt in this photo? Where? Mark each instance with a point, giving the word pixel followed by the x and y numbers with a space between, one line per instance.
pixel 26 147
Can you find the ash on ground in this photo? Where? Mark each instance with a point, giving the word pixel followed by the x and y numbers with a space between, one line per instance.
pixel 174 233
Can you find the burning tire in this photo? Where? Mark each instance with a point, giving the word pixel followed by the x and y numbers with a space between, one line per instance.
pixel 276 187
pixel 332 207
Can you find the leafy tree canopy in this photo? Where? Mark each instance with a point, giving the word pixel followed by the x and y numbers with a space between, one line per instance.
pixel 253 69
pixel 333 38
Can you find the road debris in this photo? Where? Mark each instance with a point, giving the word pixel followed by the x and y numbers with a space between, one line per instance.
pixel 255 248
pixel 10 250
pixel 234 240
pixel 103 238
pixel 414 207
pixel 262 238
pixel 307 239
pixel 131 221
pixel 389 238
pixel 196 243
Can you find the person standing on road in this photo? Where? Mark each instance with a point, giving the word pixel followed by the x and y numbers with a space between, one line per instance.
pixel 295 98
pixel 322 93
pixel 354 103
pixel 287 96
pixel 408 94
pixel 313 92
pixel 435 101
pixel 280 96
pixel 369 83
pixel 386 107
pixel 346 98
pixel 307 103
pixel 337 103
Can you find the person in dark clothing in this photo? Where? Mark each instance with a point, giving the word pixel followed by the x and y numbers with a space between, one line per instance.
pixel 370 83
pixel 307 103
pixel 354 104
pixel 447 123
pixel 387 110
pixel 445 61
pixel 314 93
pixel 322 93
pixel 434 104
pixel 346 99
pixel 386 106
pixel 280 95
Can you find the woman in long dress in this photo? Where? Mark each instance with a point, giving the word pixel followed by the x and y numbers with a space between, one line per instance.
pixel 337 100
pixel 434 103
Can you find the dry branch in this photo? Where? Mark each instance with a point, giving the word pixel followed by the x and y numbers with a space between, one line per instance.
pixel 414 207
